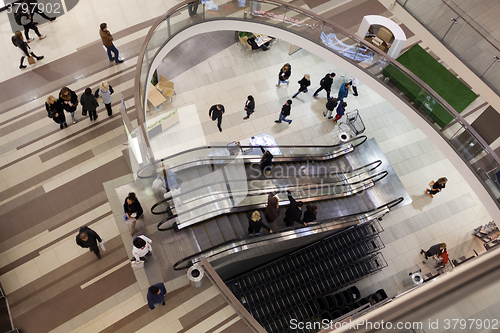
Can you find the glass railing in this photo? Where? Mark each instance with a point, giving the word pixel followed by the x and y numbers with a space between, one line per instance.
pixel 461 136
pixel 462 35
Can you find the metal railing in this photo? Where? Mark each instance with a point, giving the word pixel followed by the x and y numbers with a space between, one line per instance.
pixel 462 35
pixel 466 142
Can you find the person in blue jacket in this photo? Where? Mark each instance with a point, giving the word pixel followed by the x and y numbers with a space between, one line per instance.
pixel 343 92
pixel 340 112
pixel 156 295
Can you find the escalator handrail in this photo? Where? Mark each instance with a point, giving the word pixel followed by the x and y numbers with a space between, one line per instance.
pixel 388 205
pixel 380 175
pixel 378 163
pixel 363 137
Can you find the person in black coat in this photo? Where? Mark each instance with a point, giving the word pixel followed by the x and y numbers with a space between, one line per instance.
pixel 294 212
pixel 330 106
pixel 69 101
pixel 310 213
pixel 89 103
pixel 55 111
pixel 133 210
pixel 255 223
pixel 215 113
pixel 249 106
pixel 34 8
pixel 325 83
pixel 285 73
pixel 266 162
pixel 285 112
pixel 23 48
pixel 88 238
pixel 304 83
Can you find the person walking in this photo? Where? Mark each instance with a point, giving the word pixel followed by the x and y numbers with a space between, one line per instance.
pixel 23 48
pixel 107 40
pixel 266 162
pixel 285 112
pixel 310 213
pixel 343 92
pixel 436 187
pixel 215 113
pixel 340 112
pixel 354 85
pixel 133 210
pixel 434 251
pixel 89 103
pixel 325 83
pixel 255 223
pixel 273 207
pixel 26 20
pixel 142 248
pixel 69 101
pixel 249 106
pixel 294 212
pixel 284 75
pixel 55 111
pixel 156 295
pixel 35 9
pixel 330 106
pixel 304 83
pixel 88 238
pixel 105 91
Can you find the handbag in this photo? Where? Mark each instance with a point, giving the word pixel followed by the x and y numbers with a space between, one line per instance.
pixel 136 264
pixel 102 245
pixel 31 60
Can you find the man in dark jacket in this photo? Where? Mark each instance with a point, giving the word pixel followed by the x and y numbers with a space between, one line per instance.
pixel 89 103
pixel 156 295
pixel 266 162
pixel 294 212
pixel 285 112
pixel 325 83
pixel 434 251
pixel 215 113
pixel 88 238
pixel 330 106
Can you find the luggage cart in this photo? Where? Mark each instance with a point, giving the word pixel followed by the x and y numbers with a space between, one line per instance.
pixel 353 123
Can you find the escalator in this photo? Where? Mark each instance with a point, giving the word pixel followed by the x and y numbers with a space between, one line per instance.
pixel 246 252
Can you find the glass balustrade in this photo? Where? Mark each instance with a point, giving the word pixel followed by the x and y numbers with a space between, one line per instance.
pixel 459 134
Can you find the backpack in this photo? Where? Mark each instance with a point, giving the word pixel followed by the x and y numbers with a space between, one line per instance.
pixel 17 17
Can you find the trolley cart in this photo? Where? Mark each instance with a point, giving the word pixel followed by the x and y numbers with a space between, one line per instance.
pixel 353 122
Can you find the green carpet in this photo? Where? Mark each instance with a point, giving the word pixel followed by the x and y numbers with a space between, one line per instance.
pixel 442 81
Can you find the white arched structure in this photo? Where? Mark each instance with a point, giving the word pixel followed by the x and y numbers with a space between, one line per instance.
pixel 366 78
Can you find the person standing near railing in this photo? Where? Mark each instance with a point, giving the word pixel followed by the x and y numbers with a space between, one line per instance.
pixel 255 223
pixel 273 207
pixel 294 212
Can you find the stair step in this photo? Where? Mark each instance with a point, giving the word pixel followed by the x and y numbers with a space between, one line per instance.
pixel 225 228
pixel 202 237
pixel 214 233
pixel 236 225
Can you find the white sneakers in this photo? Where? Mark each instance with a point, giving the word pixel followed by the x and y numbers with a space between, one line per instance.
pixel 42 36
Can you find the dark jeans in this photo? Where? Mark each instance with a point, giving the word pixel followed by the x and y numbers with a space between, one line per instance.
pixel 193 8
pixel 321 88
pixel 33 27
pixel 113 49
pixel 427 255
pixel 249 112
pixel 93 114
pixel 108 108
pixel 355 89
pixel 433 191
pixel 40 12
pixel 219 121
pixel 251 230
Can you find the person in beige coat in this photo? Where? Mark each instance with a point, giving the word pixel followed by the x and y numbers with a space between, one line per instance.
pixel 107 40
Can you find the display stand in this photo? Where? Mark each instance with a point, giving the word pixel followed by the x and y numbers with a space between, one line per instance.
pixel 488 234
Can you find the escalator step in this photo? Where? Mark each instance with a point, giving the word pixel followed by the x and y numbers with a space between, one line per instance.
pixel 202 237
pixel 214 232
pixel 236 225
pixel 243 222
pixel 225 228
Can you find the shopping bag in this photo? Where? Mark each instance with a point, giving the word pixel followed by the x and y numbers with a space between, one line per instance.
pixel 102 245
pixel 31 60
pixel 137 264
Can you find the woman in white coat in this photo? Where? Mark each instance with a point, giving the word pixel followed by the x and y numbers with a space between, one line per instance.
pixel 105 91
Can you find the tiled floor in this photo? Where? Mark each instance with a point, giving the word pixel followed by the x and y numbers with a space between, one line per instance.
pixel 52 182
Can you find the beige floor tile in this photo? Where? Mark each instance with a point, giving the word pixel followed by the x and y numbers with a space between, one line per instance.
pixel 27 272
